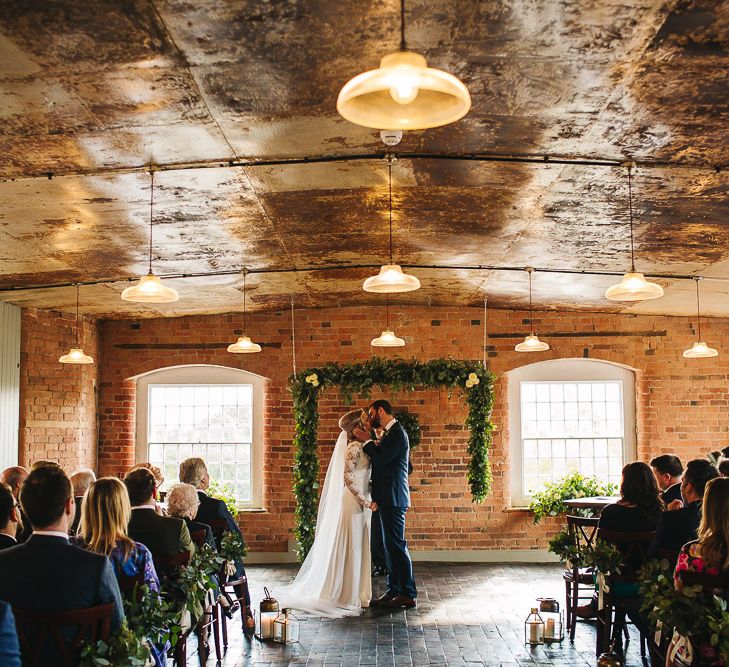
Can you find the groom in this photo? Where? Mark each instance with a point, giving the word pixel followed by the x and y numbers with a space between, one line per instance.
pixel 389 457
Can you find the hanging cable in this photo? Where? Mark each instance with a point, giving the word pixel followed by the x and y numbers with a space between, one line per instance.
pixel 403 47
pixel 485 304
pixel 151 215
pixel 293 335
pixel 630 217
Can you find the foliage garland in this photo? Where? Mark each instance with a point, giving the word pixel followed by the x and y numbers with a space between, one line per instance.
pixel 471 377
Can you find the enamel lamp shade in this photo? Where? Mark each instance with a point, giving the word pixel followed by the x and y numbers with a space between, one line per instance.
pixel 244 345
pixel 699 350
pixel 531 343
pixel 76 355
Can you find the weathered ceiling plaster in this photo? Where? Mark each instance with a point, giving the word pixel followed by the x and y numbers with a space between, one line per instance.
pixel 91 92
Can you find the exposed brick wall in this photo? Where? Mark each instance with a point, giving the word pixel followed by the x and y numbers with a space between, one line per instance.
pixel 57 401
pixel 681 404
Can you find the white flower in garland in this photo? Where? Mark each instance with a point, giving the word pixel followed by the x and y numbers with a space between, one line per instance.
pixel 312 379
pixel 469 383
pixel 474 378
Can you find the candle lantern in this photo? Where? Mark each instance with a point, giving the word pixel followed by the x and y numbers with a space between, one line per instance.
pixel 534 629
pixel 553 620
pixel 266 616
pixel 286 628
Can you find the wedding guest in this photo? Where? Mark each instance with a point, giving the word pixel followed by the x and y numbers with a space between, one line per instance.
pixel 43 463
pixel 667 470
pixel 183 502
pixel 14 478
pixel 637 511
pixel 9 649
pixel 708 554
pixel 48 572
pixel 104 521
pixel 162 535
pixel 159 480
pixel 679 524
pixel 80 481
pixel 9 517
pixel 723 466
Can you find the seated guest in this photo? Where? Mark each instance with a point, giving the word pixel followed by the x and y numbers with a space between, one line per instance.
pixel 709 553
pixel 9 517
pixel 9 649
pixel 48 572
pixel 159 480
pixel 667 470
pixel 14 478
pixel 80 481
pixel 43 463
pixel 637 511
pixel 679 524
pixel 182 502
pixel 723 466
pixel 193 471
pixel 104 521
pixel 162 535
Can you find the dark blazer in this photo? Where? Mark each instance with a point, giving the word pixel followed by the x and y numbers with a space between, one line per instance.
pixel 212 509
pixel 25 530
pixel 77 516
pixel 195 526
pixel 672 493
pixel 9 648
pixel 6 542
pixel 49 572
pixel 390 468
pixel 162 535
pixel 677 527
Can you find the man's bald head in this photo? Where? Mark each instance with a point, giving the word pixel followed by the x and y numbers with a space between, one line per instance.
pixel 82 480
pixel 14 478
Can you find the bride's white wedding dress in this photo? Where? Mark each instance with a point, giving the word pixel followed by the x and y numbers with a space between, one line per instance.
pixel 335 579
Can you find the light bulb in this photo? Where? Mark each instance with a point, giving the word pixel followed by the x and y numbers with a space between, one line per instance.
pixel 405 87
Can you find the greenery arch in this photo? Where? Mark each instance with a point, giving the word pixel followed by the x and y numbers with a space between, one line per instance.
pixel 471 377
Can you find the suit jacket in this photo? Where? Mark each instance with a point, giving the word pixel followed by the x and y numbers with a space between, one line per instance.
pixel 672 493
pixel 25 530
pixel 677 527
pixel 49 572
pixel 162 535
pixel 9 649
pixel 212 509
pixel 6 542
pixel 195 526
pixel 77 516
pixel 390 468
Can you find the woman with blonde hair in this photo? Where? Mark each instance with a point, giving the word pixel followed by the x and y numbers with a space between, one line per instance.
pixel 709 554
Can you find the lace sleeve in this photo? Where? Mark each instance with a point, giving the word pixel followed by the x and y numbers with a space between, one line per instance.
pixel 350 462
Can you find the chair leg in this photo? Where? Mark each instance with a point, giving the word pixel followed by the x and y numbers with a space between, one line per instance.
pixel 216 630
pixel 224 629
pixel 568 605
pixel 180 657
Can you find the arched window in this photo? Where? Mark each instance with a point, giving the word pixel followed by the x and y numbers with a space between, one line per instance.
pixel 567 415
pixel 212 412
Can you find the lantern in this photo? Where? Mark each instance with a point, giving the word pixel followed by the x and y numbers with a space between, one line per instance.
pixel 553 621
pixel 269 611
pixel 534 629
pixel 286 628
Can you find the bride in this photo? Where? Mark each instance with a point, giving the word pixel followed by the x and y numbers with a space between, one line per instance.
pixel 335 580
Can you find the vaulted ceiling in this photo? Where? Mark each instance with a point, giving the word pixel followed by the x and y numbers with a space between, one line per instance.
pixel 235 104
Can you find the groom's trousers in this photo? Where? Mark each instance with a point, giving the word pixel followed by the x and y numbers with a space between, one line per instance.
pixel 400 580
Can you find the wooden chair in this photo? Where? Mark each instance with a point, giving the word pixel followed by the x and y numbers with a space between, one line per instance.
pixel 211 615
pixel 198 537
pixel 128 584
pixel 579 582
pixel 39 629
pixel 635 550
pixel 671 555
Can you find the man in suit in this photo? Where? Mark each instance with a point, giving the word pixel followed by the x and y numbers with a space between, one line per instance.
pixel 667 470
pixel 390 491
pixel 9 517
pixel 48 572
pixel 9 649
pixel 14 478
pixel 162 535
pixel 81 482
pixel 680 522
pixel 193 471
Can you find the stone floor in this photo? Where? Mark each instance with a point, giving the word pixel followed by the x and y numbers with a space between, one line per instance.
pixel 466 615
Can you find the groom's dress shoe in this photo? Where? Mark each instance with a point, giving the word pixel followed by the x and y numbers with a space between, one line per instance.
pixel 400 602
pixel 383 600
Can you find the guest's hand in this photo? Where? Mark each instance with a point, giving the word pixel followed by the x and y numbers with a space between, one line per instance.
pixel 674 505
pixel 361 434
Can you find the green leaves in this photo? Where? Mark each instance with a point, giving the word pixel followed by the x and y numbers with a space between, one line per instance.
pixel 123 649
pixel 223 491
pixel 550 501
pixel 232 547
pixel 395 374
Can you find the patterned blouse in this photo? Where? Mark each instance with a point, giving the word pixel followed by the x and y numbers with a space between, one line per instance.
pixel 139 562
pixel 690 560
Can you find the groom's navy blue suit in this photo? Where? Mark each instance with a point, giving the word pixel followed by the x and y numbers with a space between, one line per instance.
pixel 391 493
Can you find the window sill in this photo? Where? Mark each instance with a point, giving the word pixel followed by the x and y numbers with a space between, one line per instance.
pixel 252 510
pixel 522 510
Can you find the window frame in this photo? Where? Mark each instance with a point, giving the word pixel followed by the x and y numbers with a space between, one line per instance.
pixel 201 374
pixel 565 370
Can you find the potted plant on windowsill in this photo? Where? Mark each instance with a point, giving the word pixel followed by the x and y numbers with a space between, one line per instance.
pixel 551 501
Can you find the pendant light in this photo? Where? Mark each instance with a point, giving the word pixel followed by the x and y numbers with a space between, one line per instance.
pixel 531 343
pixel 391 278
pixel 700 349
pixel 403 93
pixel 633 286
pixel 76 355
pixel 244 345
pixel 150 289
pixel 387 338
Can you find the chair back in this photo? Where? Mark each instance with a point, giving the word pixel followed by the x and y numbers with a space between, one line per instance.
pixel 167 566
pixel 634 548
pixel 218 526
pixel 583 531
pixel 61 633
pixel 708 581
pixel 127 584
pixel 198 537
pixel 671 555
